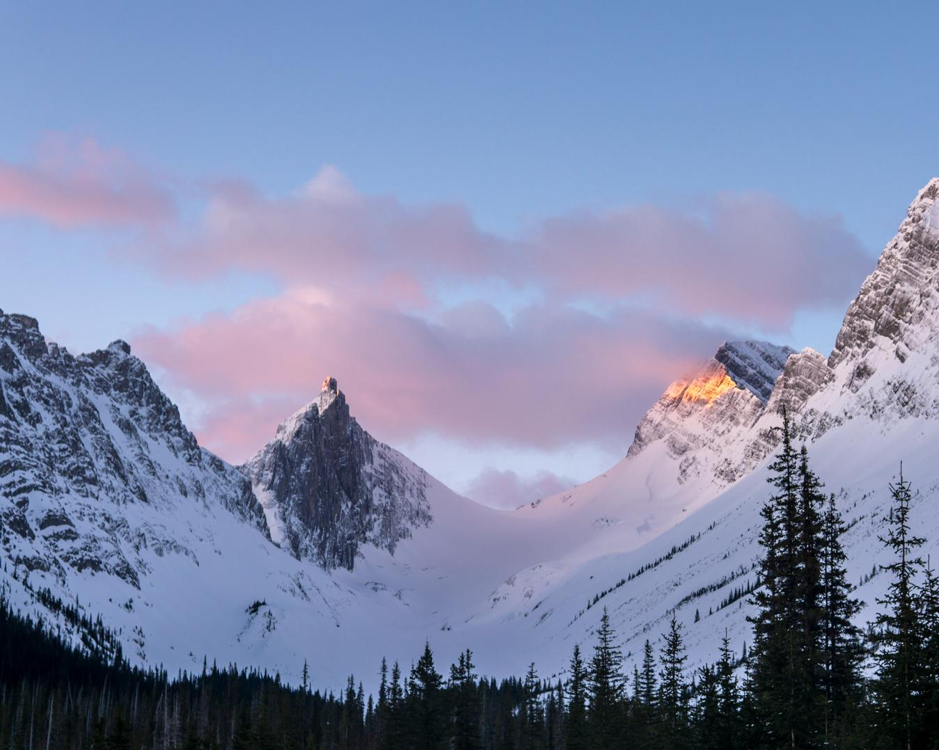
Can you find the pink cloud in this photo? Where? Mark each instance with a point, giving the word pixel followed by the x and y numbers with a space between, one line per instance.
pixel 327 234
pixel 79 183
pixel 552 376
pixel 749 256
pixel 507 490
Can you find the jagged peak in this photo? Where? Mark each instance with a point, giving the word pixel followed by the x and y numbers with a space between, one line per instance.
pixel 740 376
pixel 754 365
pixel 329 394
pixel 119 346
pixel 705 387
pixel 900 293
pixel 737 365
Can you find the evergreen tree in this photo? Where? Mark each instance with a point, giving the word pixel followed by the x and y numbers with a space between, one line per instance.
pixel 394 728
pixel 533 724
pixel 575 727
pixel 841 645
pixel 673 691
pixel 929 598
pixel 707 709
pixel 466 703
pixel 728 725
pixel 786 668
pixel 381 709
pixel 645 700
pixel 900 658
pixel 605 687
pixel 425 699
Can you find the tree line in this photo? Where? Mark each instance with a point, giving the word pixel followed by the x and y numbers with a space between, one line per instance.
pixel 811 678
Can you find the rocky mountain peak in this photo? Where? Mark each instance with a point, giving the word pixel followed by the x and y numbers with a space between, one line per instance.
pixel 328 487
pixel 119 346
pixel 896 309
pixel 329 393
pixel 753 365
pixel 88 443
pixel 729 390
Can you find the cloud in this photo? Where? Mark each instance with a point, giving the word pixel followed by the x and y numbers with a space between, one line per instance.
pixel 507 490
pixel 747 256
pixel 327 234
pixel 552 376
pixel 76 183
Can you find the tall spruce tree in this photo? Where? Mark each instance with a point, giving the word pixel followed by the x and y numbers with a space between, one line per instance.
pixel 428 726
pixel 842 652
pixel 576 736
pixel 786 666
pixel 728 723
pixel 673 691
pixel 900 634
pixel 534 717
pixel 606 689
pixel 809 669
pixel 393 733
pixel 644 706
pixel 466 734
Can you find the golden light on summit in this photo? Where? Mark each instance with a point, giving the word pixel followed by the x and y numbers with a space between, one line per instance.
pixel 704 389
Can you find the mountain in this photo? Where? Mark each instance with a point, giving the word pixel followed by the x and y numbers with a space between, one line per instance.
pixel 328 487
pixel 331 547
pixel 84 443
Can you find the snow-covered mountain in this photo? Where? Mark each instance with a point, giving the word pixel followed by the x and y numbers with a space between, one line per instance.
pixel 86 441
pixel 328 487
pixel 331 547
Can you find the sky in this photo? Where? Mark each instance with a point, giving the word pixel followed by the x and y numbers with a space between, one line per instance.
pixel 504 227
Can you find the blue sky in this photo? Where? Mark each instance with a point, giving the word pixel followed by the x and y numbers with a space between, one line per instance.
pixel 515 112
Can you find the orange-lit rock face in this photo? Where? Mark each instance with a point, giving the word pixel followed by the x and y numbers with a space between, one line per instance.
pixel 704 389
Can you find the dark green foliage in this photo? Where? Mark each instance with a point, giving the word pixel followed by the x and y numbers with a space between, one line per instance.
pixel 804 665
pixel 606 689
pixel 464 695
pixel 901 634
pixel 576 735
pixel 427 728
pixel 842 652
pixel 673 692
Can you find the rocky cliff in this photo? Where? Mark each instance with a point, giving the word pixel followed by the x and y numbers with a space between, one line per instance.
pixel 83 441
pixel 328 487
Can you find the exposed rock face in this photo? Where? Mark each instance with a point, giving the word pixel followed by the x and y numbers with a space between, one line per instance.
pixel 700 417
pixel 328 487
pixel 753 365
pixel 897 305
pixel 82 441
pixel 806 373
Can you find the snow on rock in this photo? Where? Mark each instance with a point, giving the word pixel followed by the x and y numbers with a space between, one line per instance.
pixel 330 488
